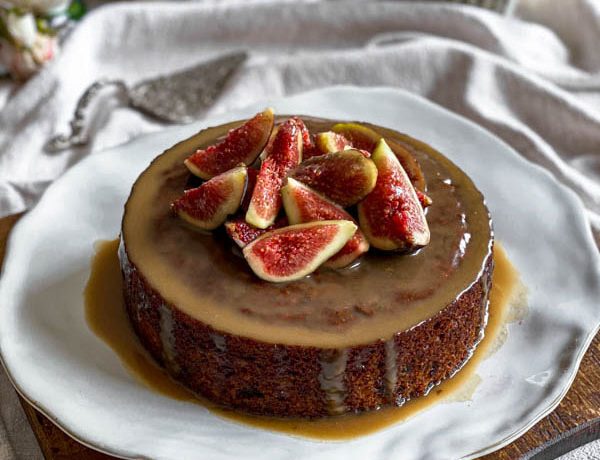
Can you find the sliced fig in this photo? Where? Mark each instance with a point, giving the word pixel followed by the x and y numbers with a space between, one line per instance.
pixel 302 204
pixel 358 135
pixel 289 253
pixel 242 233
pixel 241 145
pixel 330 142
pixel 391 216
pixel 410 164
pixel 309 149
pixel 208 206
pixel 343 177
pixel 269 143
pixel 250 184
pixel 284 153
pixel 364 138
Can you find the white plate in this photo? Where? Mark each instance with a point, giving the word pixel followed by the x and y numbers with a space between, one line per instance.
pixel 58 364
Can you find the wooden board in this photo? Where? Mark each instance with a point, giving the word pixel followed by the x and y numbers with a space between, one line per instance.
pixel 574 422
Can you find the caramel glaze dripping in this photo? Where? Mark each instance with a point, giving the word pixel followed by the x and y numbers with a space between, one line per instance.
pixel 333 368
pixel 167 339
pixel 333 365
pixel 391 370
pixel 106 317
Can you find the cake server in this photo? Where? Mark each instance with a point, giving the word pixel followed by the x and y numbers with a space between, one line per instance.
pixel 176 98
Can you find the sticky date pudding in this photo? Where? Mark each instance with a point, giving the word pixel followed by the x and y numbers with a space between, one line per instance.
pixel 302 267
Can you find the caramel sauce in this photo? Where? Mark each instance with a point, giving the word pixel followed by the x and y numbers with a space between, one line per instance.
pixel 106 317
pixel 205 275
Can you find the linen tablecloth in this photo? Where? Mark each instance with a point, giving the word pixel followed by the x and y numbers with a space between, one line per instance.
pixel 532 78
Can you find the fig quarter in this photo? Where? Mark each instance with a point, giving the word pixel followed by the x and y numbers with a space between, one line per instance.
pixel 241 145
pixel 302 205
pixel 206 207
pixel 364 138
pixel 391 216
pixel 284 152
pixel 292 252
pixel 343 177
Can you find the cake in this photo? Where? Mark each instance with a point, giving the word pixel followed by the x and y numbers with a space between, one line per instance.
pixel 383 329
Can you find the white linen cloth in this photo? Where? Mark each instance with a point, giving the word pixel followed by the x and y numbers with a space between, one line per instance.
pixel 532 79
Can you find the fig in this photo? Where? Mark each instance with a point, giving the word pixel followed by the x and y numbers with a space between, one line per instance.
pixel 302 205
pixel 241 145
pixel 242 233
pixel 330 142
pixel 309 149
pixel 250 184
pixel 358 135
pixel 284 152
pixel 289 253
pixel 343 177
pixel 391 216
pixel 364 138
pixel 409 164
pixel 267 148
pixel 208 206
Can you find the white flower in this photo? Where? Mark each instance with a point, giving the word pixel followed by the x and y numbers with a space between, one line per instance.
pixel 23 62
pixel 22 28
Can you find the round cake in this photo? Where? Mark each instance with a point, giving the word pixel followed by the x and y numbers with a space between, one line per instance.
pixel 383 330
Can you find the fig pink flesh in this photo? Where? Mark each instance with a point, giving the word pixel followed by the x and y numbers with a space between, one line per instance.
pixel 284 253
pixel 242 145
pixel 410 164
pixel 291 252
pixel 207 206
pixel 305 205
pixel 391 215
pixel 285 152
pixel 202 203
pixel 309 149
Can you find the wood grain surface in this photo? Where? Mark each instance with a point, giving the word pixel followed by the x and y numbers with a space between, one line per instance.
pixel 575 421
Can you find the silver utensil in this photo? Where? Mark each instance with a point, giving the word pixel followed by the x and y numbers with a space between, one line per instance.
pixel 500 6
pixel 177 98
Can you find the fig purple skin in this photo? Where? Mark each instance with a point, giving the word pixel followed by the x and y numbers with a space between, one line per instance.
pixel 363 138
pixel 343 177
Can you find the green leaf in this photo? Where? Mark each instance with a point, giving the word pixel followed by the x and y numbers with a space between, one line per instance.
pixel 76 10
